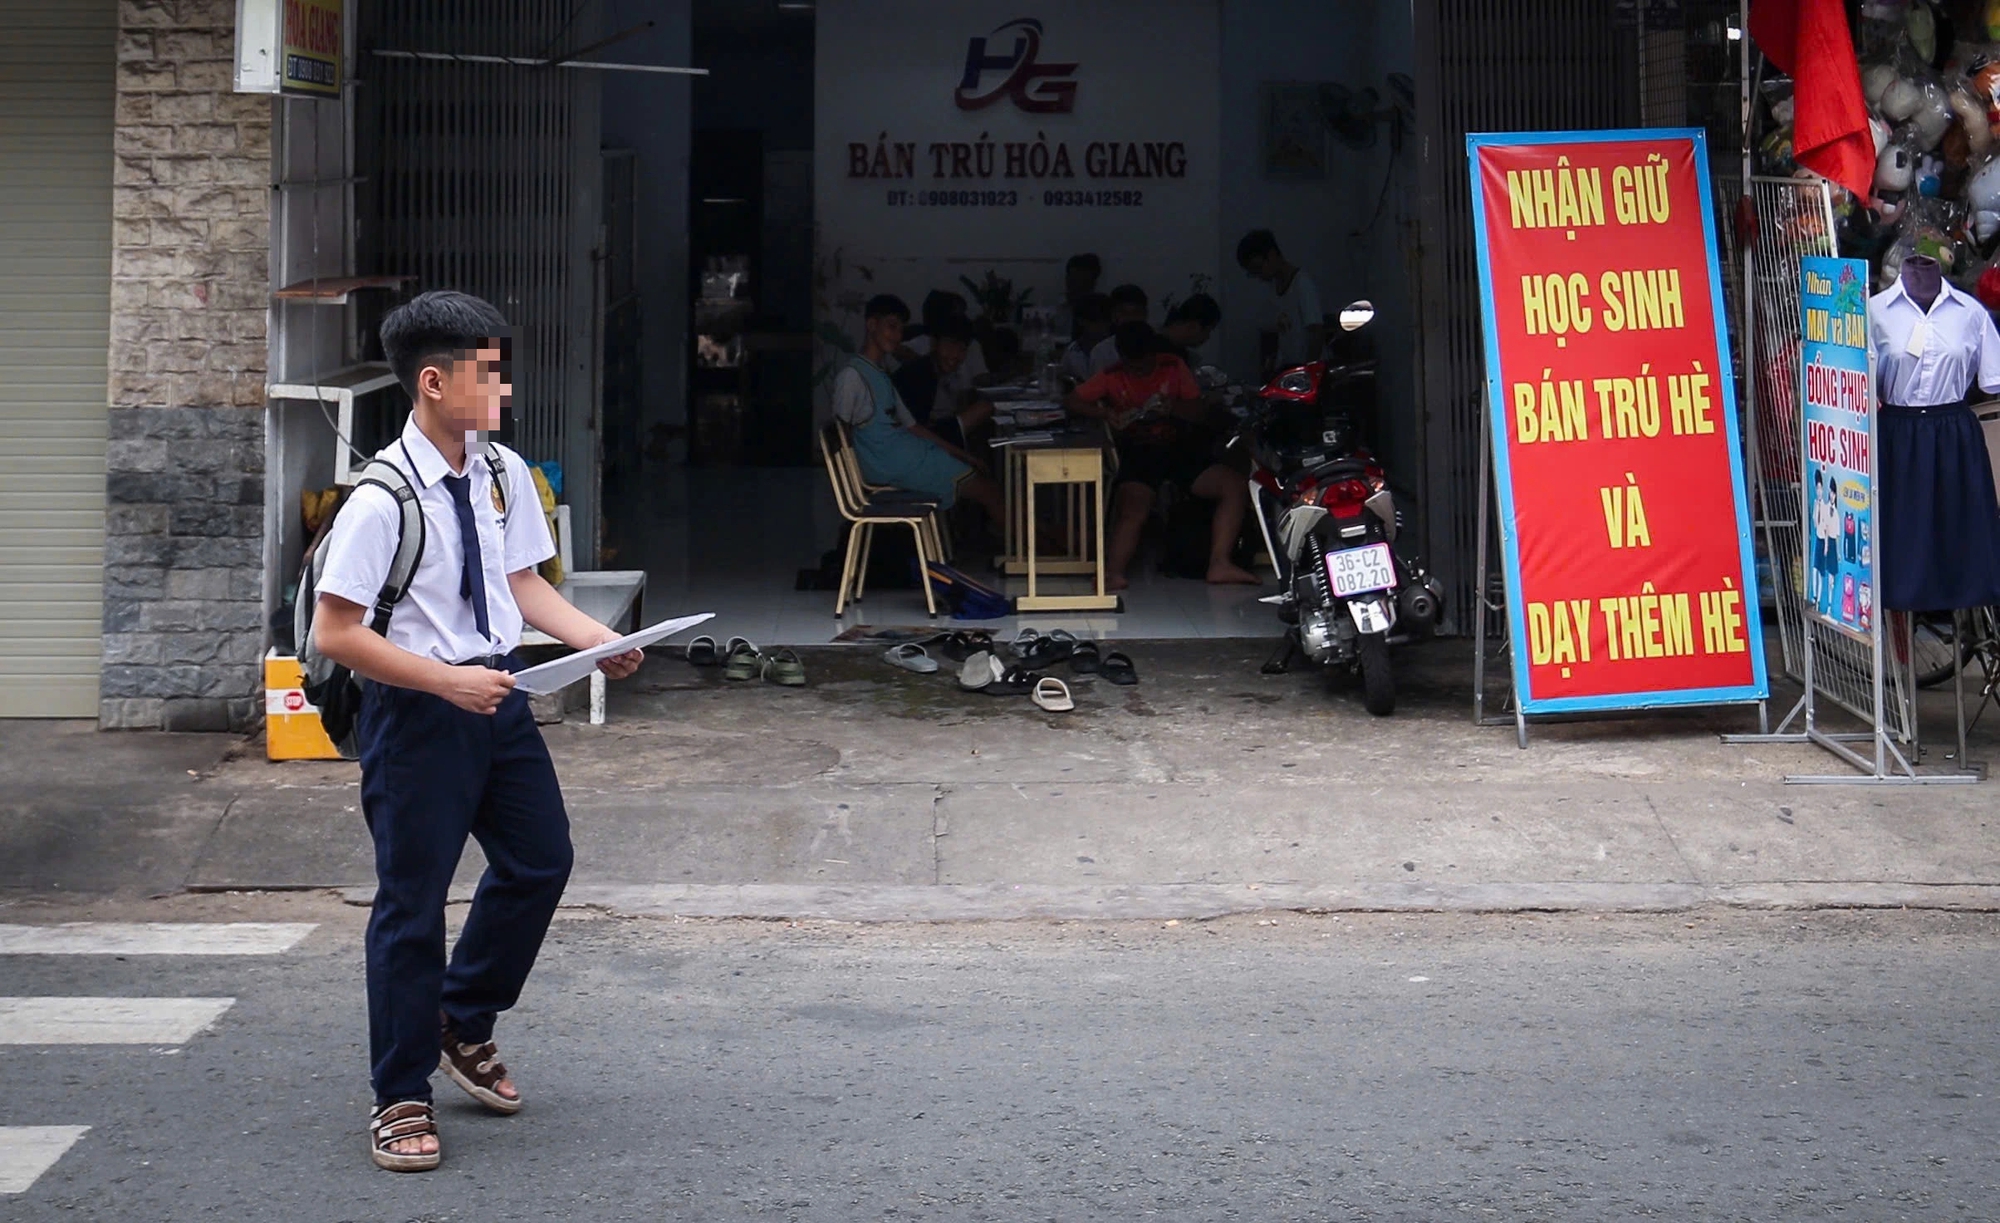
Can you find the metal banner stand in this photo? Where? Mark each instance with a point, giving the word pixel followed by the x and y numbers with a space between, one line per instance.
pixel 1888 764
pixel 1517 716
pixel 1485 586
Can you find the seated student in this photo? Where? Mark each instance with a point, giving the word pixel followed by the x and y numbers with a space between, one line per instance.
pixel 939 305
pixel 925 385
pixel 1153 407
pixel 1093 327
pixel 893 448
pixel 1189 326
pixel 1128 305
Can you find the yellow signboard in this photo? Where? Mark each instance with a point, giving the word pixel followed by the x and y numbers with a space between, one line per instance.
pixel 311 46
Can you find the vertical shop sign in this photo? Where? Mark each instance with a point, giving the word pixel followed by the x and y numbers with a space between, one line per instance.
pixel 310 61
pixel 1838 446
pixel 1624 523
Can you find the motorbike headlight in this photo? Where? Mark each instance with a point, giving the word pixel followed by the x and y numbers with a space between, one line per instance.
pixel 1298 382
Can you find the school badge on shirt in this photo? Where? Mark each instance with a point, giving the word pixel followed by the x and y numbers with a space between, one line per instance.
pixel 499 504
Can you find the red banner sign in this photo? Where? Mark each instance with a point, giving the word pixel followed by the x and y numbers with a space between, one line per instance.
pixel 1624 522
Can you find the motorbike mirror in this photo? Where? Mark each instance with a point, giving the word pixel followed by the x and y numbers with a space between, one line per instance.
pixel 1357 315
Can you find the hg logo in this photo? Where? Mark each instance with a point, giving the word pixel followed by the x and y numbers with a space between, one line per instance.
pixel 1039 89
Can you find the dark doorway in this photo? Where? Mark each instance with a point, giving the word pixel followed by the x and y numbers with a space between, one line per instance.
pixel 749 239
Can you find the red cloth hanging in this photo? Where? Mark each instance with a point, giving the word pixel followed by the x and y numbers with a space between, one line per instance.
pixel 1808 40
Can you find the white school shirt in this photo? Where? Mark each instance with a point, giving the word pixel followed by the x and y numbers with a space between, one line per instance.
pixel 1299 309
pixel 1076 361
pixel 1958 342
pixel 951 390
pixel 434 620
pixel 1105 355
pixel 1826 517
pixel 854 402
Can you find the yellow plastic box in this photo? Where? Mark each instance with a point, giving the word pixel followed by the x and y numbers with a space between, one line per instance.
pixel 291 722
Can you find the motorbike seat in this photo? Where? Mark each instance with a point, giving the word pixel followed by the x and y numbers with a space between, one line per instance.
pixel 1345 466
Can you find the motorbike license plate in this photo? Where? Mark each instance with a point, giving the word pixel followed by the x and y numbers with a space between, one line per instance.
pixel 1360 570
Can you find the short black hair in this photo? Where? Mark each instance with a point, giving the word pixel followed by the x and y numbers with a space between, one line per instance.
pixel 1201 308
pixel 1084 263
pixel 953 327
pixel 440 324
pixel 1135 340
pixel 1256 244
pixel 941 304
pixel 1129 295
pixel 886 305
pixel 1093 308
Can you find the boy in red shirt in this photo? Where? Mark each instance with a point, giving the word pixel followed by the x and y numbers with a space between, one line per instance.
pixel 1154 407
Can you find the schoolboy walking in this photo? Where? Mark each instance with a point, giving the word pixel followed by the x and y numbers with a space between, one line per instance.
pixel 448 747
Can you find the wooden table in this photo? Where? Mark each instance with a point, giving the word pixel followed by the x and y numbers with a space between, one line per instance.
pixel 1079 470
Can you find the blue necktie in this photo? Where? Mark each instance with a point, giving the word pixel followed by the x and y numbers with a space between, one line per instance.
pixel 472 582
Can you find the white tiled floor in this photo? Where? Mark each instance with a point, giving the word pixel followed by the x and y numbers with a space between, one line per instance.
pixel 732 542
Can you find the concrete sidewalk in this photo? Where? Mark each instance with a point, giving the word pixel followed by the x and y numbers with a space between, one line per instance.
pixel 876 795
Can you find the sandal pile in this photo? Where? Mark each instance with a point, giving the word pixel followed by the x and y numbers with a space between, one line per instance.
pixel 741 661
pixel 983 667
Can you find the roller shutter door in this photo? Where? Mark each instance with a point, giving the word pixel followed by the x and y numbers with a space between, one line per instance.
pixel 57 90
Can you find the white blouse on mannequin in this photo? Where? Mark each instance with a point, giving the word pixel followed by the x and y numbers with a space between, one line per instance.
pixel 1954 342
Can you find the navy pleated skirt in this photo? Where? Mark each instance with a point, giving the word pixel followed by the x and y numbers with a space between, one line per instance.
pixel 1939 518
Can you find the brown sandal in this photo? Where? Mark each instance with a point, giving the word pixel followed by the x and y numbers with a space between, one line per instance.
pixel 393 1123
pixel 478 1069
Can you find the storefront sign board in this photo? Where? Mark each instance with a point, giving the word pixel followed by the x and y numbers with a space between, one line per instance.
pixel 1624 520
pixel 951 139
pixel 1838 447
pixel 311 58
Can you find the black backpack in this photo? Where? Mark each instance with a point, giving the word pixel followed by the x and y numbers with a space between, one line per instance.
pixel 333 689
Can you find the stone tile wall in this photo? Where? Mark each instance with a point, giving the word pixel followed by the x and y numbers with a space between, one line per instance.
pixel 190 300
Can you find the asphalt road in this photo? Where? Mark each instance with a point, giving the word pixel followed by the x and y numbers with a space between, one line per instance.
pixel 1718 1067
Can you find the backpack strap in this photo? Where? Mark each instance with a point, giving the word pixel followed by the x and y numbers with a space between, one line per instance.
pixel 498 466
pixel 409 539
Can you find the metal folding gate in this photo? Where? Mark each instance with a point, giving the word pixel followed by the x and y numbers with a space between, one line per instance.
pixel 1520 65
pixel 486 178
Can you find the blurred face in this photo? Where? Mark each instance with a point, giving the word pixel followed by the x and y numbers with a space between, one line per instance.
pixel 473 390
pixel 1094 328
pixel 885 331
pixel 1190 334
pixel 1263 267
pixel 1127 312
pixel 1143 366
pixel 1079 282
pixel 950 355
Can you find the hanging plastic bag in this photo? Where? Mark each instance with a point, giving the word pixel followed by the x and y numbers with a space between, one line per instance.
pixel 1972 120
pixel 1934 115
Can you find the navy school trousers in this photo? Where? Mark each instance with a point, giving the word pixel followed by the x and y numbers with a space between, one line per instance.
pixel 432 774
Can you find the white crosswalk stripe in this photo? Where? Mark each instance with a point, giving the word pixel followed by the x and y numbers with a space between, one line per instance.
pixel 106 1021
pixel 27 1151
pixel 154 938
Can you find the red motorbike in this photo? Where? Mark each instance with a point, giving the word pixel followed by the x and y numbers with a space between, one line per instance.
pixel 1330 521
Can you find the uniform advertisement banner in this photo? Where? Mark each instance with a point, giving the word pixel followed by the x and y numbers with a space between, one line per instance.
pixel 1839 445
pixel 1624 520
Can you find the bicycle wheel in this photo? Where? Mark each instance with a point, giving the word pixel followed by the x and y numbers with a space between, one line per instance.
pixel 1936 652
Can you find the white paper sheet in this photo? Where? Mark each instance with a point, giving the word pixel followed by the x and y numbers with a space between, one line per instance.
pixel 564 671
